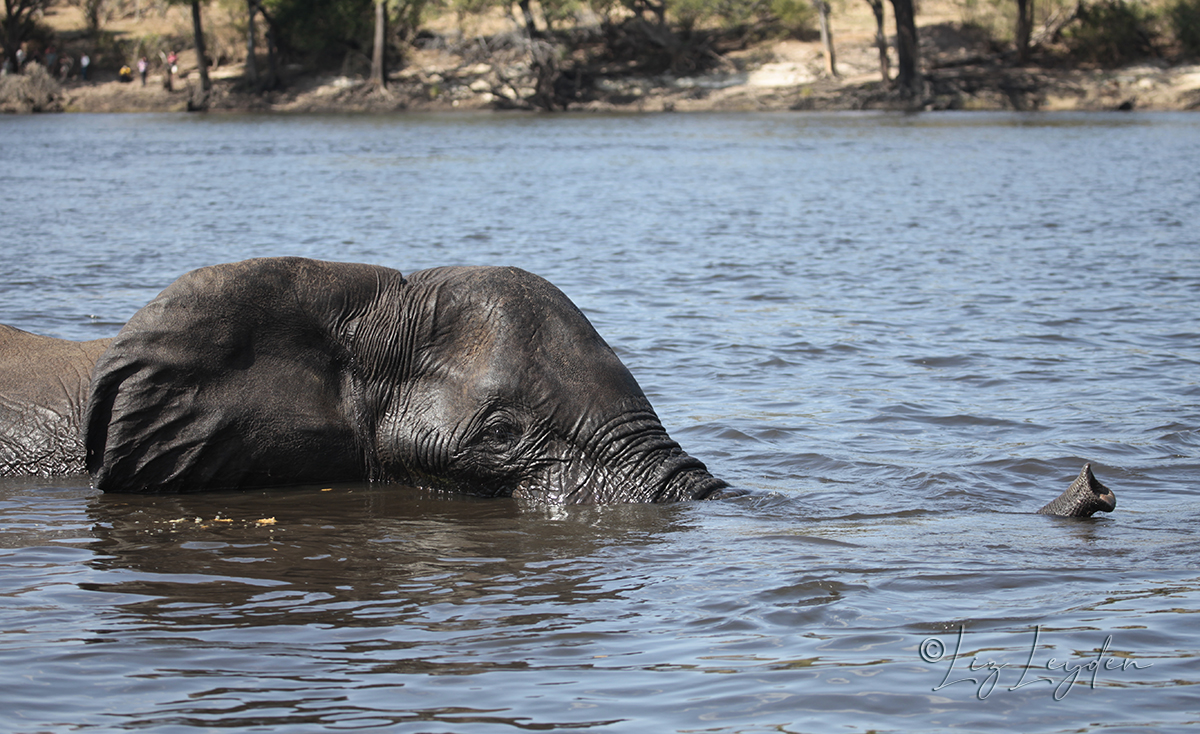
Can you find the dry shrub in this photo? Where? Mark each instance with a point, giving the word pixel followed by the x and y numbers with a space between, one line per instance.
pixel 33 91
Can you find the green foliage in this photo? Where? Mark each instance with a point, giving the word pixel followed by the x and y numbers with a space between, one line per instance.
pixel 558 12
pixel 153 46
pixel 323 31
pixel 690 13
pixel 93 13
pixel 792 15
pixel 1183 17
pixel 996 18
pixel 470 7
pixel 405 17
pixel 326 32
pixel 1110 32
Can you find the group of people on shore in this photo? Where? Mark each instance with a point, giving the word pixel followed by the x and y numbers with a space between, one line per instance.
pixel 62 66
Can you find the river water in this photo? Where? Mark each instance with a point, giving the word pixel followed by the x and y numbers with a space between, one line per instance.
pixel 904 333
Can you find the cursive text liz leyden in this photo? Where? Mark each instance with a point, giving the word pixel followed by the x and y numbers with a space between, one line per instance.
pixel 1063 674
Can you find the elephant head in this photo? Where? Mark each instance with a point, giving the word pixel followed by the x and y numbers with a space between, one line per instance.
pixel 284 370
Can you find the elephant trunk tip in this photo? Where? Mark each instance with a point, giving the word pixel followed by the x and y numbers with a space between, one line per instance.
pixel 1085 497
pixel 681 477
pixel 723 492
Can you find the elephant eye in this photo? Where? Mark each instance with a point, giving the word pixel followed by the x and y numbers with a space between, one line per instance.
pixel 502 433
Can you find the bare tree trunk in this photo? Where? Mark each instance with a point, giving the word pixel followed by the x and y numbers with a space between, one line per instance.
pixel 91 14
pixel 544 63
pixel 885 64
pixel 1024 28
pixel 14 33
pixel 908 79
pixel 272 63
pixel 826 37
pixel 659 10
pixel 527 13
pixel 379 55
pixel 201 58
pixel 251 51
pixel 272 67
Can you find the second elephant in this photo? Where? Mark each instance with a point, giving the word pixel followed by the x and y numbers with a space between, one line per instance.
pixel 43 391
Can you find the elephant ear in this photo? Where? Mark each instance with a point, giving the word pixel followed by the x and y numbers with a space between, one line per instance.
pixel 236 376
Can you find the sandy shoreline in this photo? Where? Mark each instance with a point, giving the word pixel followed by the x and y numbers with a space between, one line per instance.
pixel 771 87
pixel 960 73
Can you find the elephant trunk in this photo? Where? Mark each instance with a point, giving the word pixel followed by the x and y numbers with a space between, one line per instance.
pixel 682 477
pixel 643 464
pixel 628 458
pixel 667 475
pixel 1085 497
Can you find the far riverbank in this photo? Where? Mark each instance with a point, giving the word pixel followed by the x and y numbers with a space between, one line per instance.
pixel 963 69
pixel 772 86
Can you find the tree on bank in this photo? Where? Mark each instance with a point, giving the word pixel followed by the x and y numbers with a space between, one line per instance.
pixel 255 8
pixel 91 13
pixel 18 27
pixel 200 103
pixel 251 43
pixel 407 17
pixel 199 100
pixel 344 33
pixel 908 78
pixel 379 48
pixel 826 36
pixel 885 65
pixel 1024 29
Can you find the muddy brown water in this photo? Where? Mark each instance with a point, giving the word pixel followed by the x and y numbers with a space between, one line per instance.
pixel 904 334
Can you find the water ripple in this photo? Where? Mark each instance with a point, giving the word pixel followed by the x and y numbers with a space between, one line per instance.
pixel 904 333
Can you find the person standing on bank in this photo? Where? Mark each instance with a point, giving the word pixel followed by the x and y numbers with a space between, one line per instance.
pixel 84 62
pixel 142 66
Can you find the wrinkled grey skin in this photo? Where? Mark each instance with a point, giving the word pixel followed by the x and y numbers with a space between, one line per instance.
pixel 43 390
pixel 285 371
pixel 1085 497
pixel 290 371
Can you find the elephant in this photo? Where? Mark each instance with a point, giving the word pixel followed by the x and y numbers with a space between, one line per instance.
pixel 277 371
pixel 43 391
pixel 285 371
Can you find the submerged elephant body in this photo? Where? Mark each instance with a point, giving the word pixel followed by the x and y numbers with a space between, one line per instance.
pixel 283 371
pixel 43 391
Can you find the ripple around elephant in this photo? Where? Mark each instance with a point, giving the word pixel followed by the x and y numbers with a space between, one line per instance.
pixel 281 371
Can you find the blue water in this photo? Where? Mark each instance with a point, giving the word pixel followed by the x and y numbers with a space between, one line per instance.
pixel 903 333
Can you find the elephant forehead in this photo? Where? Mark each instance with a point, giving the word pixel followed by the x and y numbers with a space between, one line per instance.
pixel 528 362
pixel 493 294
pixel 511 332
